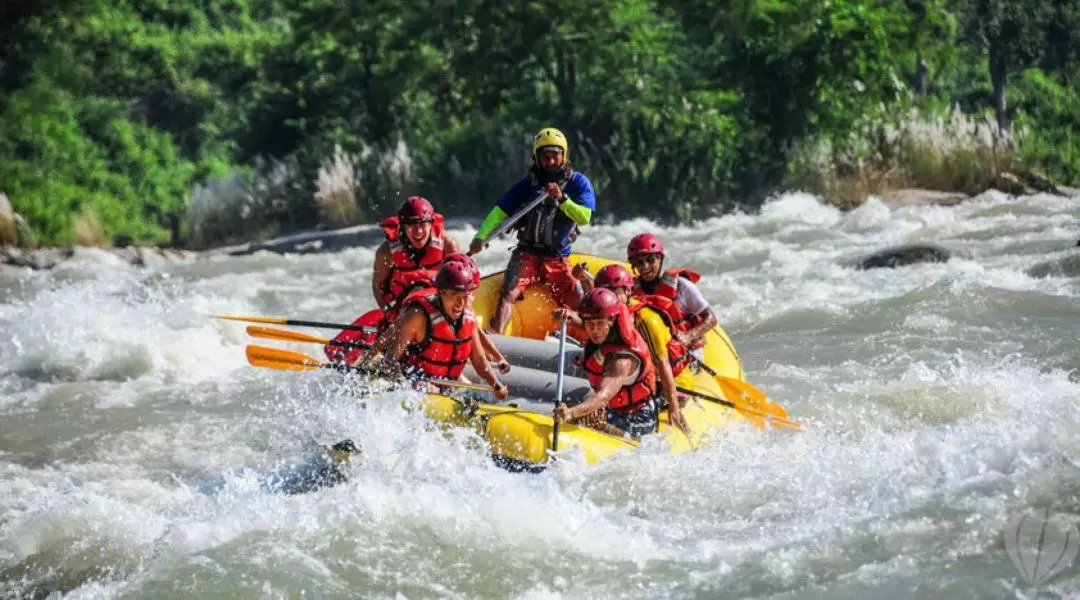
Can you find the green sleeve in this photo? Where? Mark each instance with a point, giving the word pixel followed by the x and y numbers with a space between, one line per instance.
pixel 577 213
pixel 494 218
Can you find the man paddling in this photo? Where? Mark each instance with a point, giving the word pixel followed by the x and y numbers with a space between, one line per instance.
pixel 653 320
pixel 619 369
pixel 645 254
pixel 407 260
pixel 436 333
pixel 547 231
pixel 488 344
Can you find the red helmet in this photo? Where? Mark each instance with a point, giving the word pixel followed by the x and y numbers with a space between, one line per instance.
pixel 614 276
pixel 465 259
pixel 458 272
pixel 643 244
pixel 461 257
pixel 416 210
pixel 599 303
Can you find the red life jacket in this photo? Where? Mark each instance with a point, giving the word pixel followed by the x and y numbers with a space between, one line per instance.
pixel 411 267
pixel 390 316
pixel 377 320
pixel 631 397
pixel 341 354
pixel 666 288
pixel 678 354
pixel 446 347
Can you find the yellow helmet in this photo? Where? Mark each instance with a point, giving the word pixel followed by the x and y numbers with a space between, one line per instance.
pixel 549 136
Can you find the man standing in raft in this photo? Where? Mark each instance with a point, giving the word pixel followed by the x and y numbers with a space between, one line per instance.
pixel 695 317
pixel 653 323
pixel 416 242
pixel 619 369
pixel 547 232
pixel 436 333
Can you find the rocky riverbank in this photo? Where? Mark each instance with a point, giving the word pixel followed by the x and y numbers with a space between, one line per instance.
pixel 47 258
pixel 370 235
pixel 302 243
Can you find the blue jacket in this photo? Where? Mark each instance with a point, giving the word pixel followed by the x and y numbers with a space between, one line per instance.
pixel 546 229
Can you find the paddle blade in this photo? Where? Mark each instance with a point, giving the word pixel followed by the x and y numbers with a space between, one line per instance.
pixel 743 392
pixel 760 417
pixel 270 320
pixel 275 358
pixel 284 335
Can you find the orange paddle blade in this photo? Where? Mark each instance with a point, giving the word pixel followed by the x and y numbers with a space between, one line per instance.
pixel 285 335
pixel 275 358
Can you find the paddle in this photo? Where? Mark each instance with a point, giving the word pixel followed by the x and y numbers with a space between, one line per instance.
pixel 512 219
pixel 742 390
pixel 559 385
pixel 298 323
pixel 769 417
pixel 286 360
pixel 285 335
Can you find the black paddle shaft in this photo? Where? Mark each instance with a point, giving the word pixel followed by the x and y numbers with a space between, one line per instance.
pixel 322 325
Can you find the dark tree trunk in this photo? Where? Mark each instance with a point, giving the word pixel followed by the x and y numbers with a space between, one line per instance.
pixel 999 70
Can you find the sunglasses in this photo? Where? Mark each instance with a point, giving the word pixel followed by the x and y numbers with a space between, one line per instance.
pixel 645 260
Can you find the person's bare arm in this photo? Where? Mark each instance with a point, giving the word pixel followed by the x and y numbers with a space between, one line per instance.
pixel 667 383
pixel 582 274
pixel 697 333
pixel 481 362
pixel 569 314
pixel 450 244
pixel 411 327
pixel 381 275
pixel 492 351
pixel 616 371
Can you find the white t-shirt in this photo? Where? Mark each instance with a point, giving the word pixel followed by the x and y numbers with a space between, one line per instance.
pixel 689 297
pixel 691 302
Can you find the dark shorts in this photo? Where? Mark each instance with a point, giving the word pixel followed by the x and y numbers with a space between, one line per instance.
pixel 643 421
pixel 554 272
pixel 469 397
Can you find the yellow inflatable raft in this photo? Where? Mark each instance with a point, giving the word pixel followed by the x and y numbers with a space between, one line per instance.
pixel 524 436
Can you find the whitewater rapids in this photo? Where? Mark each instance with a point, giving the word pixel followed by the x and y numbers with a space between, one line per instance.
pixel 940 400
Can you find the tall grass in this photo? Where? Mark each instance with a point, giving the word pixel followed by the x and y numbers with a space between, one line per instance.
pixel 87 230
pixel 954 152
pixel 348 189
pixel 9 235
pixel 943 151
pixel 245 206
pixel 335 191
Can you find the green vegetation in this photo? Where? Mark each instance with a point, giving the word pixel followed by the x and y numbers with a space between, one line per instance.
pixel 245 118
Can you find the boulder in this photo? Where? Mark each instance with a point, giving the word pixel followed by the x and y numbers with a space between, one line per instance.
pixel 917 196
pixel 1068 266
pixel 47 258
pixel 900 256
pixel 1010 184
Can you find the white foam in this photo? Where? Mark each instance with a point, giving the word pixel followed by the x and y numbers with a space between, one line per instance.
pixel 937 401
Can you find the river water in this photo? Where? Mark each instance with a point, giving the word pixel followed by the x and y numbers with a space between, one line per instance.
pixel 940 401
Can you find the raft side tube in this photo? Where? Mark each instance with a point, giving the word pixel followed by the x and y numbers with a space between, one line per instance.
pixel 542 355
pixel 532 386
